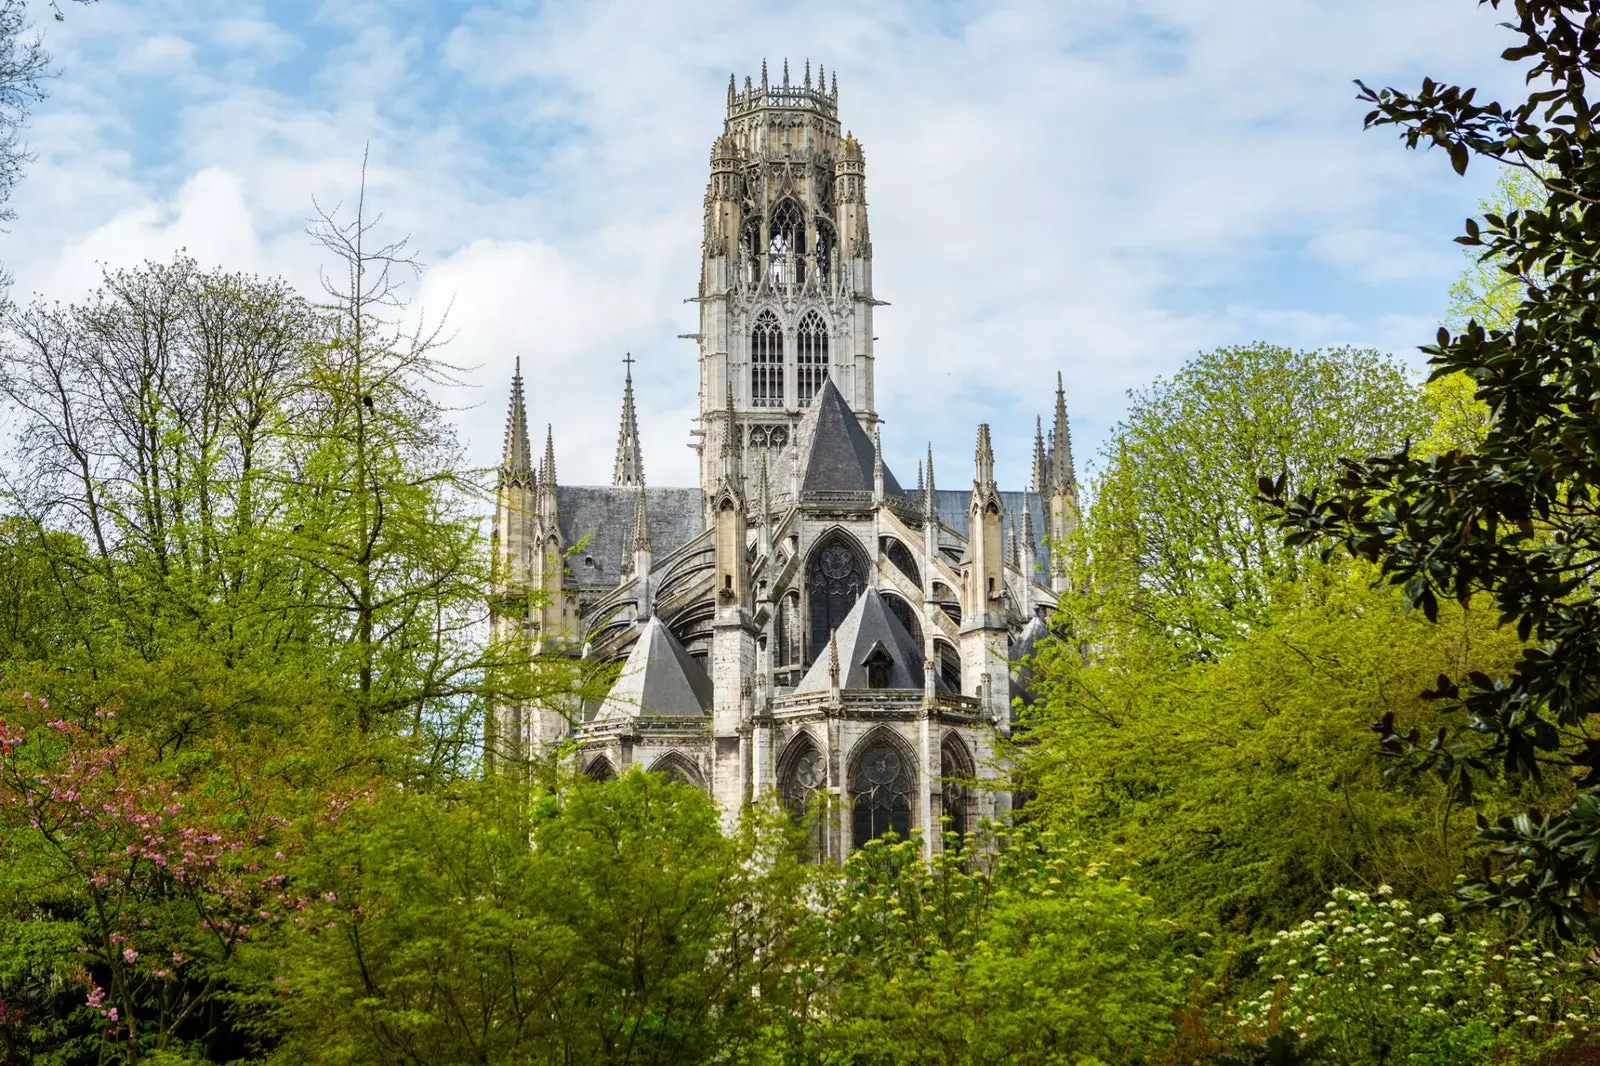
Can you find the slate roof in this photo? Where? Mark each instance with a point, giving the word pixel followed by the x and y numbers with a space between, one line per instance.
pixel 869 623
pixel 659 678
pixel 952 505
pixel 604 513
pixel 838 453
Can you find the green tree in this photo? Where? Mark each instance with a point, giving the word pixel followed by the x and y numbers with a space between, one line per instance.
pixel 1017 948
pixel 1514 518
pixel 1176 531
pixel 1243 788
pixel 607 922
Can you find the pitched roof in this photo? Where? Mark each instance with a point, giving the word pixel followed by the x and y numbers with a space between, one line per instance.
pixel 838 456
pixel 659 679
pixel 607 515
pixel 869 624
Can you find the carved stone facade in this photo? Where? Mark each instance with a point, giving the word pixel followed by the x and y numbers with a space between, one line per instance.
pixel 798 623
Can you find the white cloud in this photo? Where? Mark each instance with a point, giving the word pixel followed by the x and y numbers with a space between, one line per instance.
pixel 1103 189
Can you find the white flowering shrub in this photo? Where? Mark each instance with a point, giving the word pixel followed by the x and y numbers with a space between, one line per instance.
pixel 1369 980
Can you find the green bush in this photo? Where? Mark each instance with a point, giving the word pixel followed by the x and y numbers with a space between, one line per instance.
pixel 1373 981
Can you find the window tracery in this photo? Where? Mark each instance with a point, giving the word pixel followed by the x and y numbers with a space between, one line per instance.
pixel 881 784
pixel 834 578
pixel 787 228
pixel 766 362
pixel 802 789
pixel 811 356
pixel 955 772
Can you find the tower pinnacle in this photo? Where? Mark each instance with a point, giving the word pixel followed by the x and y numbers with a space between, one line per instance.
pixel 1063 479
pixel 629 468
pixel 516 464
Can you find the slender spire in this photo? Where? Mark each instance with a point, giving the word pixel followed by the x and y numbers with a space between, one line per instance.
pixel 766 493
pixel 732 451
pixel 641 524
pixel 547 469
pixel 929 505
pixel 1016 545
pixel 1063 479
pixel 763 77
pixel 922 486
pixel 833 658
pixel 733 89
pixel 1041 459
pixel 785 72
pixel 835 92
pixel 984 459
pixel 629 469
pixel 516 464
pixel 808 73
pixel 877 466
pixel 1028 540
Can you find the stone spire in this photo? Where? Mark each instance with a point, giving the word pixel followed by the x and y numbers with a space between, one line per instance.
pixel 929 507
pixel 547 478
pixel 516 464
pixel 1016 545
pixel 629 468
pixel 1041 458
pixel 1028 563
pixel 641 524
pixel 732 451
pixel 984 461
pixel 1063 479
pixel 877 466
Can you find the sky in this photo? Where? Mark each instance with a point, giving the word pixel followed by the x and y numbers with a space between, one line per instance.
pixel 1099 190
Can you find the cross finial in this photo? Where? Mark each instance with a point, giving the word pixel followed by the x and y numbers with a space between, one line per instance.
pixel 628 361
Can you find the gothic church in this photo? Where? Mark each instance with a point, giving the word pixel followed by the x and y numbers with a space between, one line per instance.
pixel 798 622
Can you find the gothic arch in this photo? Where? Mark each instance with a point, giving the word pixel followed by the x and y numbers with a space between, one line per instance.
pixel 810 356
pixel 881 785
pixel 836 576
pixel 802 785
pixel 949 664
pixel 599 768
pixel 957 771
pixel 894 549
pixel 680 768
pixel 766 361
pixel 902 609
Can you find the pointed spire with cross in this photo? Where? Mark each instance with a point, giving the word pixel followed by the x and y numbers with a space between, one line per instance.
pixel 516 464
pixel 629 467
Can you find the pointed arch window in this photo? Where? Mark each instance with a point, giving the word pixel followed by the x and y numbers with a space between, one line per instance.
pixel 811 356
pixel 801 787
pixel 788 241
pixel 955 771
pixel 766 362
pixel 834 578
pixel 881 783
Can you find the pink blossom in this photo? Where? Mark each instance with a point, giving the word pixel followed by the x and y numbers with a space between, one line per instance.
pixel 112 1014
pixel 97 996
pixel 128 954
pixel 158 974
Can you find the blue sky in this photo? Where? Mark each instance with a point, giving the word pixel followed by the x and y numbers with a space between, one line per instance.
pixel 1097 189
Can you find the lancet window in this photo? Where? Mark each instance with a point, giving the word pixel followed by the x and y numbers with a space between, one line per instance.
pixel 802 789
pixel 766 362
pixel 955 772
pixel 787 242
pixel 881 783
pixel 811 356
pixel 835 578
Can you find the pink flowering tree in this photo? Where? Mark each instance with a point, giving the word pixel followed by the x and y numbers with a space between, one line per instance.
pixel 171 865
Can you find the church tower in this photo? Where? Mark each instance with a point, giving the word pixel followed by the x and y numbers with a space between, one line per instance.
pixel 786 272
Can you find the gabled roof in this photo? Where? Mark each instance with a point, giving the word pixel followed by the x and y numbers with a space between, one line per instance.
pixel 659 679
pixel 839 456
pixel 869 625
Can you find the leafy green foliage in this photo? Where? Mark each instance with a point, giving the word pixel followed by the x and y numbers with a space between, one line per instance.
pixel 1515 517
pixel 1379 981
pixel 608 922
pixel 1176 528
pixel 1016 948
pixel 1244 788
